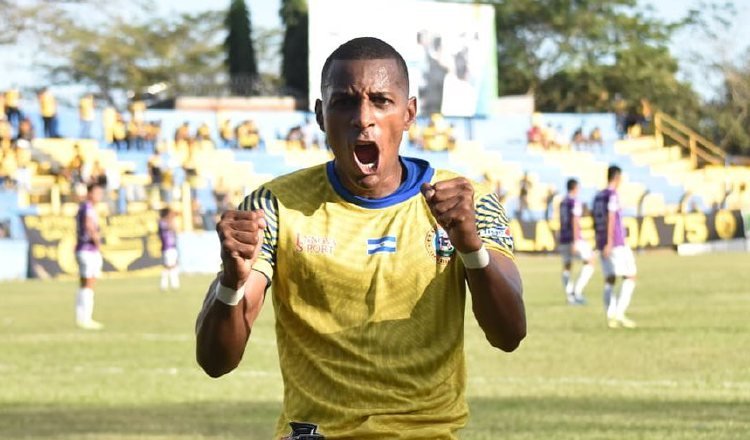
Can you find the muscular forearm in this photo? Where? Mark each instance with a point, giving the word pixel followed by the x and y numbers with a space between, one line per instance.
pixel 222 333
pixel 497 301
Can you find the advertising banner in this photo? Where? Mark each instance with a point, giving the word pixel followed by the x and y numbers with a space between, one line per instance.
pixel 449 48
pixel 642 233
pixel 129 243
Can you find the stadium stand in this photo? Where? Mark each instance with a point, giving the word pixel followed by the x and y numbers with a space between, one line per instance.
pixel 658 179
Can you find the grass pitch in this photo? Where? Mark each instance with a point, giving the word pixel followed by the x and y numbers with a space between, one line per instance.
pixel 683 374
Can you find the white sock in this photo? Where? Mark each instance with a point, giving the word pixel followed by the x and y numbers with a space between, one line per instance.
pixel 583 278
pixel 626 293
pixel 174 278
pixel 164 279
pixel 610 303
pixel 567 285
pixel 84 305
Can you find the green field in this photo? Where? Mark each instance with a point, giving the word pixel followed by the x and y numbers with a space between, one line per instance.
pixel 683 374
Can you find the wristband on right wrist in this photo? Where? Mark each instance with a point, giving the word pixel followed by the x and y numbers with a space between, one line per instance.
pixel 227 295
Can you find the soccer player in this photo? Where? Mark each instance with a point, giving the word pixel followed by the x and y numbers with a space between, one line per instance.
pixel 617 258
pixel 367 257
pixel 170 275
pixel 572 245
pixel 88 256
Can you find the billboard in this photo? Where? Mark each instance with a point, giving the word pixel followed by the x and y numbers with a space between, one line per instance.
pixel 130 243
pixel 449 48
pixel 648 232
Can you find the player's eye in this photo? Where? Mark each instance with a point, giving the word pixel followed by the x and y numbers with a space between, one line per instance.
pixel 380 100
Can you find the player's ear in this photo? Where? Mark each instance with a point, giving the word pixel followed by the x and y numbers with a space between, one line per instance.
pixel 411 112
pixel 319 114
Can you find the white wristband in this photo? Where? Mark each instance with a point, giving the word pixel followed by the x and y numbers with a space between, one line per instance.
pixel 478 259
pixel 228 295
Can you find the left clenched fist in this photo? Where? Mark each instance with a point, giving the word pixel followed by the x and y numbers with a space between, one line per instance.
pixel 452 204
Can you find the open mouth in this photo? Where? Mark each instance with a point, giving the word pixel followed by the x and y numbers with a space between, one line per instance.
pixel 366 155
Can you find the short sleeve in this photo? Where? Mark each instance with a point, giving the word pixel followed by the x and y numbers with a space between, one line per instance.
pixel 263 199
pixel 578 209
pixel 614 203
pixel 493 225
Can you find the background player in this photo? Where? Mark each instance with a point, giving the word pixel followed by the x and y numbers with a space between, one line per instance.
pixel 88 256
pixel 617 258
pixel 170 275
pixel 369 256
pixel 572 245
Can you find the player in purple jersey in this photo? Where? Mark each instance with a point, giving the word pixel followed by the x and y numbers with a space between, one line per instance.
pixel 88 256
pixel 572 245
pixel 617 258
pixel 170 276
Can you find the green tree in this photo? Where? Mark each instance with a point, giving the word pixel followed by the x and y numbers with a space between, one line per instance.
pixel 575 55
pixel 294 51
pixel 240 60
pixel 181 54
pixel 727 118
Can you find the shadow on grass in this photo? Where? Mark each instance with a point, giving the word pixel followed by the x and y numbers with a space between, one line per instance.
pixel 515 418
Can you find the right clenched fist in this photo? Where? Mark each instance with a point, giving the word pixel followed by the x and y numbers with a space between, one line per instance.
pixel 241 237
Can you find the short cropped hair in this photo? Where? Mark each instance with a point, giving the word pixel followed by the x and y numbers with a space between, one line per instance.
pixel 612 172
pixel 364 48
pixel 93 185
pixel 572 184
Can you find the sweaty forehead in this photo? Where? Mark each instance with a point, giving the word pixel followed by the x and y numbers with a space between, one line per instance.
pixel 381 75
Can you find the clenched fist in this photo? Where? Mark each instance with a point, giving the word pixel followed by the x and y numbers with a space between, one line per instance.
pixel 241 237
pixel 452 204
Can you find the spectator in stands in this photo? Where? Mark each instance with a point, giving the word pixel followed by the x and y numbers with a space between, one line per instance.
pixel 48 109
pixel 595 138
pixel 119 133
pixel 151 136
pixel 620 108
pixel 135 134
pixel 633 123
pixel 3 116
pixel 6 135
pixel 647 114
pixel 524 187
pixel 7 169
pixel 74 173
pixel 25 133
pixel 309 132
pixel 203 136
pixel 109 120
pixel 247 135
pixel 438 135
pixel 86 115
pixel 492 182
pixel 295 138
pixel 98 174
pixel 155 172
pixel 182 137
pixel 578 141
pixel 137 111
pixel 226 133
pixel 12 109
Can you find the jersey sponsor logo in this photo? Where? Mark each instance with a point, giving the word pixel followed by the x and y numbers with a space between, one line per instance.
pixel 499 234
pixel 315 245
pixel 439 246
pixel 385 244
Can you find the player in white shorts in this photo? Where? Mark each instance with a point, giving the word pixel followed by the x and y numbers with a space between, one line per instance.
pixel 572 245
pixel 170 276
pixel 88 256
pixel 617 258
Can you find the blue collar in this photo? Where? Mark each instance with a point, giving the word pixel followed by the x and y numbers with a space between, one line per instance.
pixel 417 172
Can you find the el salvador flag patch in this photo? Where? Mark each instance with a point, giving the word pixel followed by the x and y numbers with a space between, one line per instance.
pixel 382 244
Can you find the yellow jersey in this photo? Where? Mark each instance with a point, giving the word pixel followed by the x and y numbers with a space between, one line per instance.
pixel 369 300
pixel 47 104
